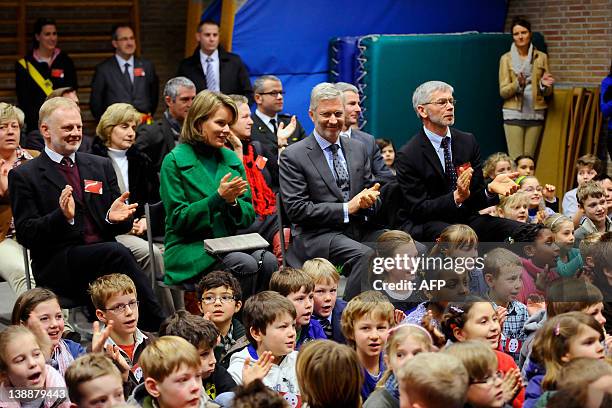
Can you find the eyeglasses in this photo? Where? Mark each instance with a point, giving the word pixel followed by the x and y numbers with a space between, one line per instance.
pixel 209 300
pixel 442 102
pixel 120 308
pixel 489 380
pixel 273 93
pixel 531 189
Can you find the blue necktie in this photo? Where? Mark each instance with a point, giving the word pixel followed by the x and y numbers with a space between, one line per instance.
pixel 342 176
pixel 211 79
pixel 450 172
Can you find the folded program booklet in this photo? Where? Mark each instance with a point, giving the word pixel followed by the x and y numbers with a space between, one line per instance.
pixel 235 243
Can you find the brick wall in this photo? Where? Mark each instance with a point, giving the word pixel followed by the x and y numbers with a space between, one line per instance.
pixel 162 37
pixel 578 34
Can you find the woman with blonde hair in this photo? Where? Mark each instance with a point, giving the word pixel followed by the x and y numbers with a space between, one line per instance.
pixel 205 192
pixel 12 155
pixel 116 135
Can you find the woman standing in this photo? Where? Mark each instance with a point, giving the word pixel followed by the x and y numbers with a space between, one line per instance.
pixel 42 70
pixel 524 82
pixel 206 195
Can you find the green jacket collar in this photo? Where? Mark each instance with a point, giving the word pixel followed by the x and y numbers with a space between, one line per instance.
pixel 187 160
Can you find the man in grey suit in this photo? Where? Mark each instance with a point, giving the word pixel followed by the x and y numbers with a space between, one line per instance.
pixel 352 110
pixel 124 77
pixel 327 191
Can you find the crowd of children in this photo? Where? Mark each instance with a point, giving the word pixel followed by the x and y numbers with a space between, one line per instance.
pixel 527 327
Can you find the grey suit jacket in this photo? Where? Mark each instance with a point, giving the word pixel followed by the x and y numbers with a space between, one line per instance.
pixel 108 86
pixel 312 200
pixel 380 171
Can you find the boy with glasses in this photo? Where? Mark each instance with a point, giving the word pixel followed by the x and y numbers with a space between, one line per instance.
pixel 219 297
pixel 114 297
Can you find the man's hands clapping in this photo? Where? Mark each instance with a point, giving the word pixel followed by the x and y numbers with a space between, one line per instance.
pixel 462 192
pixel 120 210
pixel 66 202
pixel 365 199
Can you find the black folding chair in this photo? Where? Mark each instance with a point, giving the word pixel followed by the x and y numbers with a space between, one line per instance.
pixel 73 305
pixel 289 257
pixel 155 215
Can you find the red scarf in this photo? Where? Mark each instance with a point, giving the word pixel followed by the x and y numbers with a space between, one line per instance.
pixel 264 200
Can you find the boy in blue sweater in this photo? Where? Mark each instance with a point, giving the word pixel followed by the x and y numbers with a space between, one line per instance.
pixel 327 307
pixel 298 287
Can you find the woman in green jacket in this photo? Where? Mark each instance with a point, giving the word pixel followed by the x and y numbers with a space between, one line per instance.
pixel 205 194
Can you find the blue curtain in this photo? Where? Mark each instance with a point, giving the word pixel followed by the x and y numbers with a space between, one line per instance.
pixel 290 39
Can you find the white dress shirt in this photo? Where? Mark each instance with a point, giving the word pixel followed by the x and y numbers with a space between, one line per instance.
pixel 215 64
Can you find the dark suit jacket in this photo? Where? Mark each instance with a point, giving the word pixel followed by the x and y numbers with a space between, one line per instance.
pixel 337 335
pixel 380 171
pixel 261 133
pixel 35 189
pixel 142 179
pixel 426 193
pixel 108 86
pixel 311 198
pixel 234 76
pixel 156 141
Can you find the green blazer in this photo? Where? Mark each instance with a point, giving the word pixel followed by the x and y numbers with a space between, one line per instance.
pixel 195 211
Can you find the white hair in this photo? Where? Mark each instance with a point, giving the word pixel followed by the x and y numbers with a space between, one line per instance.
pixel 173 85
pixel 324 92
pixel 346 87
pixel 422 94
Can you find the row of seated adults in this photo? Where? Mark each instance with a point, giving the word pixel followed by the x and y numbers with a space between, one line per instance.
pixel 330 206
pixel 67 210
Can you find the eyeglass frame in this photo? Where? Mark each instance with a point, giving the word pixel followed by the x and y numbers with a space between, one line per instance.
pixel 439 103
pixel 121 308
pixel 272 93
pixel 496 375
pixel 219 298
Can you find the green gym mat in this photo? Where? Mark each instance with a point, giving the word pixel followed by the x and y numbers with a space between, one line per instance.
pixel 394 65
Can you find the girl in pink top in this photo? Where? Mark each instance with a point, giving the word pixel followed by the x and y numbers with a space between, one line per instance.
pixel 539 253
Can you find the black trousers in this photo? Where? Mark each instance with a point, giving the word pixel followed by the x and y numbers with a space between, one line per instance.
pixel 488 228
pixel 88 262
pixel 253 270
pixel 354 250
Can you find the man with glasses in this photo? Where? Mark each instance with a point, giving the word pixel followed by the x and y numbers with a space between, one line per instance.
pixel 211 67
pixel 440 174
pixel 268 119
pixel 124 77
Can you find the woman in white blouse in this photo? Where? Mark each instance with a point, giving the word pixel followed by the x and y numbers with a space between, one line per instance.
pixel 116 133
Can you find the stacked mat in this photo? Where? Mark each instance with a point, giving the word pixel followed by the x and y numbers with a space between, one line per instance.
pixel 388 68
